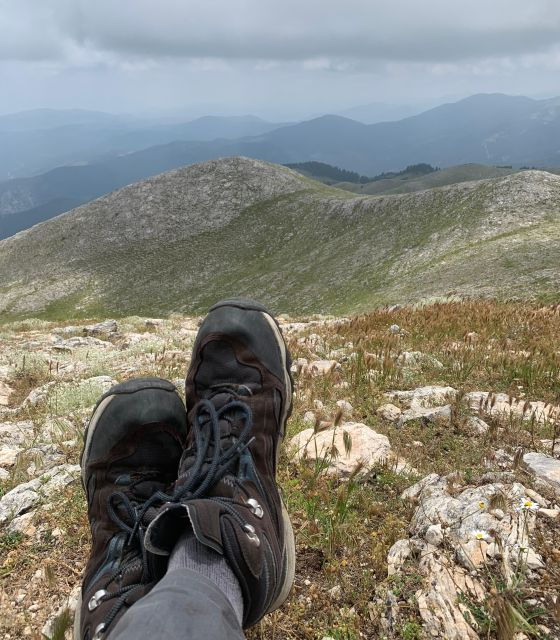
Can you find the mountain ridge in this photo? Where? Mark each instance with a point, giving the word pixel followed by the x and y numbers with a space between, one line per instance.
pixel 241 226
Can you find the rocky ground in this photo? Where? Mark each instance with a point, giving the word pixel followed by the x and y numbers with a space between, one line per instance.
pixel 421 469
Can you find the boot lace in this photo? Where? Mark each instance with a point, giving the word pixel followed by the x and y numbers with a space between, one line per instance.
pixel 212 461
pixel 129 514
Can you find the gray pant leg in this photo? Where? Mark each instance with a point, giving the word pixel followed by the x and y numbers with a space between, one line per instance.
pixel 184 605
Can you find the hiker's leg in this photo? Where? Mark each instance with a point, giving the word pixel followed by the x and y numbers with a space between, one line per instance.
pixel 183 605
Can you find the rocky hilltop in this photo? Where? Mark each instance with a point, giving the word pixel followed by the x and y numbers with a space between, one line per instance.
pixel 421 468
pixel 182 239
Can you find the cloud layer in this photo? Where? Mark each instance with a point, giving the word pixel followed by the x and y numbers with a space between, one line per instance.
pixel 446 31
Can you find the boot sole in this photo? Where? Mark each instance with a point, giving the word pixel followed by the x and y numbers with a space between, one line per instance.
pixel 289 539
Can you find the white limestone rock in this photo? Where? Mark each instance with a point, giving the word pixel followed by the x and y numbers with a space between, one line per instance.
pixel 322 367
pixel 417 359
pixel 477 425
pixel 389 412
pixel 546 468
pixel 39 395
pixel 27 495
pixel 430 396
pixel 503 406
pixel 346 408
pixel 105 328
pixel 426 414
pixel 366 447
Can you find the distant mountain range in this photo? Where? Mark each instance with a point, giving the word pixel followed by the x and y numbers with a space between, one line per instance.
pixel 489 129
pixel 33 142
pixel 238 226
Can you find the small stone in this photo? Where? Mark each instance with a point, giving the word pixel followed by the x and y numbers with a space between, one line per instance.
pixel 477 425
pixel 69 605
pixel 397 556
pixel 394 328
pixel 550 513
pixel 434 535
pixel 431 396
pixel 38 575
pixel 418 359
pixel 309 417
pixel 34 607
pixel 346 407
pixel 153 323
pixel 389 412
pixel 23 524
pixel 105 328
pixel 57 533
pixel 498 514
pixel 299 365
pixel 318 405
pixel 38 395
pixel 5 393
pixel 335 592
pixel 322 367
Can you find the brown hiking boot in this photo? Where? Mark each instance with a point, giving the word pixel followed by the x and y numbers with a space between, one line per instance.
pixel 239 396
pixel 132 449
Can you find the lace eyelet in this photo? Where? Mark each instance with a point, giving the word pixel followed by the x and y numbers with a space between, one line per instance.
pixel 99 631
pixel 256 508
pixel 252 534
pixel 95 599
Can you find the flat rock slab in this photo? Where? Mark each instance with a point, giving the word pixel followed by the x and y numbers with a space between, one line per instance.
pixel 105 328
pixel 425 414
pixel 321 367
pixel 544 467
pixel 80 342
pixel 343 448
pixel 25 496
pixel 501 405
pixel 431 396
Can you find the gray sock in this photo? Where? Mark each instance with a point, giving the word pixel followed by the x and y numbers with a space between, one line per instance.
pixel 189 553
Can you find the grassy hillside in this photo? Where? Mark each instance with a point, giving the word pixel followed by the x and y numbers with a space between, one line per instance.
pixel 181 240
pixel 410 183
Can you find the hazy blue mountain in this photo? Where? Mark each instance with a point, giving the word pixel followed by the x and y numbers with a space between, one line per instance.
pixel 34 142
pixel 490 129
pixel 380 112
pixel 52 118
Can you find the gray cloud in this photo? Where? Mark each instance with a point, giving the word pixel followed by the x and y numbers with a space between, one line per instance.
pixel 76 31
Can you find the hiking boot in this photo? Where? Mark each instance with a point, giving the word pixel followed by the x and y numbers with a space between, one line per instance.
pixel 133 445
pixel 239 397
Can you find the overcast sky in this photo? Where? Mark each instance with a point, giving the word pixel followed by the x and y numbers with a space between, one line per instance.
pixel 277 58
